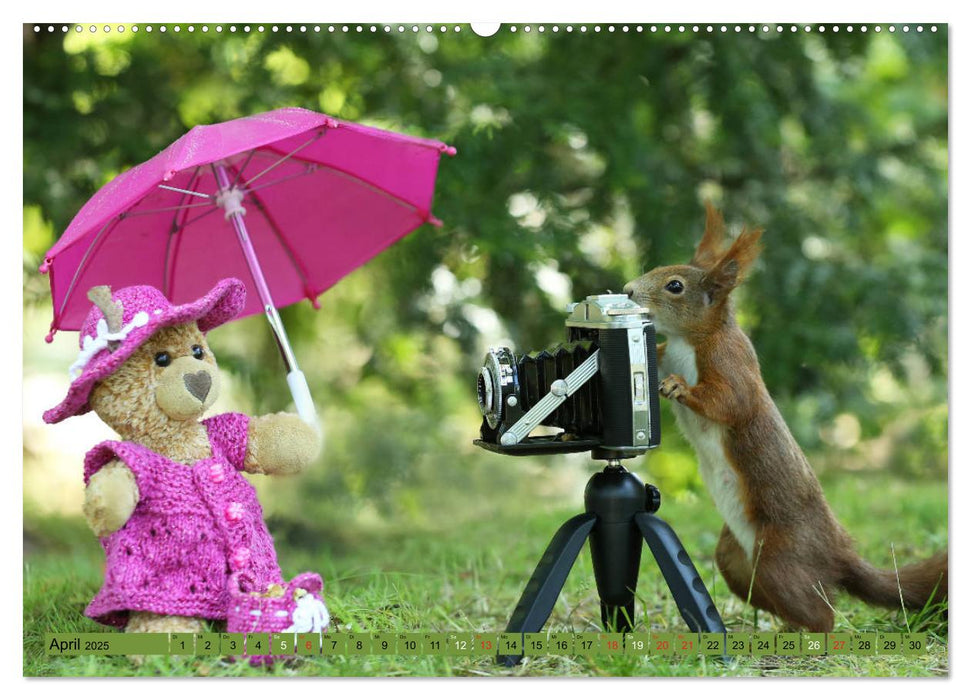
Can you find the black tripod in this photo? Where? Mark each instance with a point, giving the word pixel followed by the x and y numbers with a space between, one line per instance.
pixel 619 510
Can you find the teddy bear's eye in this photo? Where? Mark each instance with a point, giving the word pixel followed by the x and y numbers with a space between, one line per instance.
pixel 162 359
pixel 198 352
pixel 675 286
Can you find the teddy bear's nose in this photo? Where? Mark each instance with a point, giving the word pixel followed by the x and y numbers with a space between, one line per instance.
pixel 198 384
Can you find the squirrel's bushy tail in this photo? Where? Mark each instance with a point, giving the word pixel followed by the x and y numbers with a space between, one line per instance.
pixel 915 584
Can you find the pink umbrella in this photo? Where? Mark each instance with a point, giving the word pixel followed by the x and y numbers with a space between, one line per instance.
pixel 290 199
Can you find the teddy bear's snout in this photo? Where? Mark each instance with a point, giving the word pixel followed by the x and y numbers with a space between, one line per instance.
pixel 198 384
pixel 186 388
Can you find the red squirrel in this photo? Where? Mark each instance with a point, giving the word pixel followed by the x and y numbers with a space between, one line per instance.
pixel 777 521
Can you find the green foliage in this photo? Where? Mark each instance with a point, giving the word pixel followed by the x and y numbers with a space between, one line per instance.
pixel 577 156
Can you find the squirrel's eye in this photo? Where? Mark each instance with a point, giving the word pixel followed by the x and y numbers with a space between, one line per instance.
pixel 162 359
pixel 675 286
pixel 198 352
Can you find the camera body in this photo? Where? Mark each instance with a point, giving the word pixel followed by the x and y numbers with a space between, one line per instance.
pixel 599 387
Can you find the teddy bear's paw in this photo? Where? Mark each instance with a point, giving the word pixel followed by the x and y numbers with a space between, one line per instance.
pixel 110 498
pixel 281 443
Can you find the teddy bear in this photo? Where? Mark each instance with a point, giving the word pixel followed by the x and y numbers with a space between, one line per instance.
pixel 182 529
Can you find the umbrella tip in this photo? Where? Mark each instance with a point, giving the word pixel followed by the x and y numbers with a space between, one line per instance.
pixel 50 336
pixel 311 297
pixel 45 266
pixel 448 150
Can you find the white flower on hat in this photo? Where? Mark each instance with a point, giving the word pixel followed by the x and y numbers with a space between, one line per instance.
pixel 92 345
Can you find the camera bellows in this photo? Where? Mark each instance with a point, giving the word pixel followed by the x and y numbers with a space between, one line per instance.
pixel 580 413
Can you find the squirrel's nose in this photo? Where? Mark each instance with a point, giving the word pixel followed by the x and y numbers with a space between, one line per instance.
pixel 198 384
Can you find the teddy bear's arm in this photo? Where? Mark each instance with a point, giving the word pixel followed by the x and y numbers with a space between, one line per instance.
pixel 110 498
pixel 280 443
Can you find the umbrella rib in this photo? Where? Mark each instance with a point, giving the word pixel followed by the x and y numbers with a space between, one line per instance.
pixel 239 173
pixel 179 189
pixel 175 254
pixel 96 243
pixel 180 207
pixel 168 274
pixel 212 169
pixel 188 223
pixel 371 186
pixel 282 239
pixel 311 167
pixel 282 160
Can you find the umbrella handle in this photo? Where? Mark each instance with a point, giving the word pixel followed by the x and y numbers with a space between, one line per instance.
pixel 301 397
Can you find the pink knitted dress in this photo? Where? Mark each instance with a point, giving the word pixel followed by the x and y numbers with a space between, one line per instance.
pixel 193 527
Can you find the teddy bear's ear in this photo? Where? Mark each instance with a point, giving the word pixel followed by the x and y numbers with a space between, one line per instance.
pixel 100 296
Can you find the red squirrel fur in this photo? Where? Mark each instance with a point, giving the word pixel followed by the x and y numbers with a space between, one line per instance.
pixel 777 520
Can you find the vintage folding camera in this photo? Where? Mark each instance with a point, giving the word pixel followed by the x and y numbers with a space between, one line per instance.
pixel 599 387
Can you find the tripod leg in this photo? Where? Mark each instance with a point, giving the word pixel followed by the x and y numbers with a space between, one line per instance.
pixel 539 596
pixel 615 549
pixel 686 586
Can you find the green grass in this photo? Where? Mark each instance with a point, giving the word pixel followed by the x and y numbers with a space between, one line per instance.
pixel 468 576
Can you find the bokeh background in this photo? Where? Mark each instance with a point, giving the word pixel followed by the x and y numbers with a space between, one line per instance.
pixel 583 160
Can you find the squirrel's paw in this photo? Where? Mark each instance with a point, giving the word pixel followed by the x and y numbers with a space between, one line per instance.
pixel 674 387
pixel 110 498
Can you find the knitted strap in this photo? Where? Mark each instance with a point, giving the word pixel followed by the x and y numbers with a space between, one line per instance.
pixel 308 581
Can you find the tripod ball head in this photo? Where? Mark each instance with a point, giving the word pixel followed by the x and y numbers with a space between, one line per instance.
pixel 614 495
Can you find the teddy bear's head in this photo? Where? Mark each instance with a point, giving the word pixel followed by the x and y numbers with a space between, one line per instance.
pixel 144 364
pixel 171 377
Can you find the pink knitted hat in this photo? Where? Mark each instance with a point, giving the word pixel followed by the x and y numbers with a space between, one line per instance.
pixel 144 310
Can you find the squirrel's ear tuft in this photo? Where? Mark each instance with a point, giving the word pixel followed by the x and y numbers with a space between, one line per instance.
pixel 745 250
pixel 706 254
pixel 731 268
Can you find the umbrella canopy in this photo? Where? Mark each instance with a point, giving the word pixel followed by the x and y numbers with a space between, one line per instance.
pixel 320 198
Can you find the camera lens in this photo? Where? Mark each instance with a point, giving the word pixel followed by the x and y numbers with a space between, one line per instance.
pixel 496 379
pixel 484 388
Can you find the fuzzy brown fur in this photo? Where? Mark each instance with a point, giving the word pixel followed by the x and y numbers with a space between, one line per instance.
pixel 802 553
pixel 152 622
pixel 160 407
pixel 279 443
pixel 110 498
